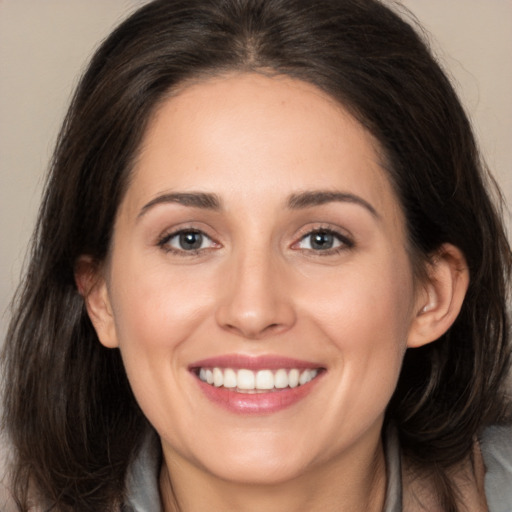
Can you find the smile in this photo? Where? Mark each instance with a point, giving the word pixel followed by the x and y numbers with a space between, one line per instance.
pixel 248 381
pixel 264 384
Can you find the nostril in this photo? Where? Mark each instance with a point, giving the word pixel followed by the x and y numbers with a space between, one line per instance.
pixel 255 315
pixel 254 332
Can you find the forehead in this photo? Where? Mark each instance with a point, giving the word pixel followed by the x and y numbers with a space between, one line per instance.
pixel 249 135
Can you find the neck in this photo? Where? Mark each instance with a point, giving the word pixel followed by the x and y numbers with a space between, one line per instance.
pixel 353 482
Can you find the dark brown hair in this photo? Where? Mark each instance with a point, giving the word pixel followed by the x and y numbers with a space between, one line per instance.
pixel 68 407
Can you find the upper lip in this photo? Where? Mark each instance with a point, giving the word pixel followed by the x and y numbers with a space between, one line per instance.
pixel 261 362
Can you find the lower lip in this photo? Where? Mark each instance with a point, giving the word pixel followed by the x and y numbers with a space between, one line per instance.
pixel 256 403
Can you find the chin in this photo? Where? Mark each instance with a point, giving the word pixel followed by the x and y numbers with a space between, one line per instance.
pixel 258 472
pixel 254 465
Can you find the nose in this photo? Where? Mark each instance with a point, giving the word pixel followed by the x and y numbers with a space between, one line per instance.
pixel 256 301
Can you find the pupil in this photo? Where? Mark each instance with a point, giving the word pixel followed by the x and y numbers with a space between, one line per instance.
pixel 190 240
pixel 322 241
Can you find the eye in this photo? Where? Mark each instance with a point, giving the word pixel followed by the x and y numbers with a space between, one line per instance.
pixel 324 240
pixel 186 240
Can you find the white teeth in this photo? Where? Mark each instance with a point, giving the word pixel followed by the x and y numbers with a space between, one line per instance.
pixel 281 379
pixel 293 378
pixel 230 380
pixel 218 377
pixel 305 377
pixel 264 379
pixel 245 379
pixel 261 380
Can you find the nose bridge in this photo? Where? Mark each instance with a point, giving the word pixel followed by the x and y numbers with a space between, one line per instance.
pixel 255 302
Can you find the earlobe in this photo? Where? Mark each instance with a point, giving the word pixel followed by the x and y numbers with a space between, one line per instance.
pixel 441 298
pixel 92 285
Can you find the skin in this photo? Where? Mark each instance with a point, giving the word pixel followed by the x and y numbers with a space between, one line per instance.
pixel 257 287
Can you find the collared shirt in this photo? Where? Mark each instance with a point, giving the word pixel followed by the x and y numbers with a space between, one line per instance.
pixel 496 445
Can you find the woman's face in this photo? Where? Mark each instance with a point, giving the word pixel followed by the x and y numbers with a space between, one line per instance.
pixel 259 246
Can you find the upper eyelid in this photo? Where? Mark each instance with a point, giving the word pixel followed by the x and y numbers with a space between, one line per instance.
pixel 342 238
pixel 168 235
pixel 335 230
pixel 326 230
pixel 191 226
pixel 175 232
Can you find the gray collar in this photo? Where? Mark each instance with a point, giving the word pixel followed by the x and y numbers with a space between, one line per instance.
pixel 142 492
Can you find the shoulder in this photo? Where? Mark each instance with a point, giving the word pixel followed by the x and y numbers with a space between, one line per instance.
pixel 496 447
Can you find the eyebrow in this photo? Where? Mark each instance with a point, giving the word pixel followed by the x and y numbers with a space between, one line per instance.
pixel 193 199
pixel 320 197
pixel 298 201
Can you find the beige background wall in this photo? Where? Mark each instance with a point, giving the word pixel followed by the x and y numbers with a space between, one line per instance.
pixel 45 43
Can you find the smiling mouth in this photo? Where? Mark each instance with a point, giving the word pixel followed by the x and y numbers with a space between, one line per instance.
pixel 261 381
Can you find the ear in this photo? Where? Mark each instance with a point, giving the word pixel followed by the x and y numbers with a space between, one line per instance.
pixel 440 299
pixel 92 286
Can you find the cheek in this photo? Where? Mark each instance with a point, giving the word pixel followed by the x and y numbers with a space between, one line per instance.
pixel 366 313
pixel 156 313
pixel 365 298
pixel 155 306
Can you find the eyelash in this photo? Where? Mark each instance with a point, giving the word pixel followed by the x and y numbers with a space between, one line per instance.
pixel 164 240
pixel 345 242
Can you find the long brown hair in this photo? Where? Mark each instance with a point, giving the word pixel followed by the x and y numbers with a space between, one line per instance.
pixel 68 407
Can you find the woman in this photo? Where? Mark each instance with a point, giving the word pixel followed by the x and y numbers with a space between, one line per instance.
pixel 267 275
